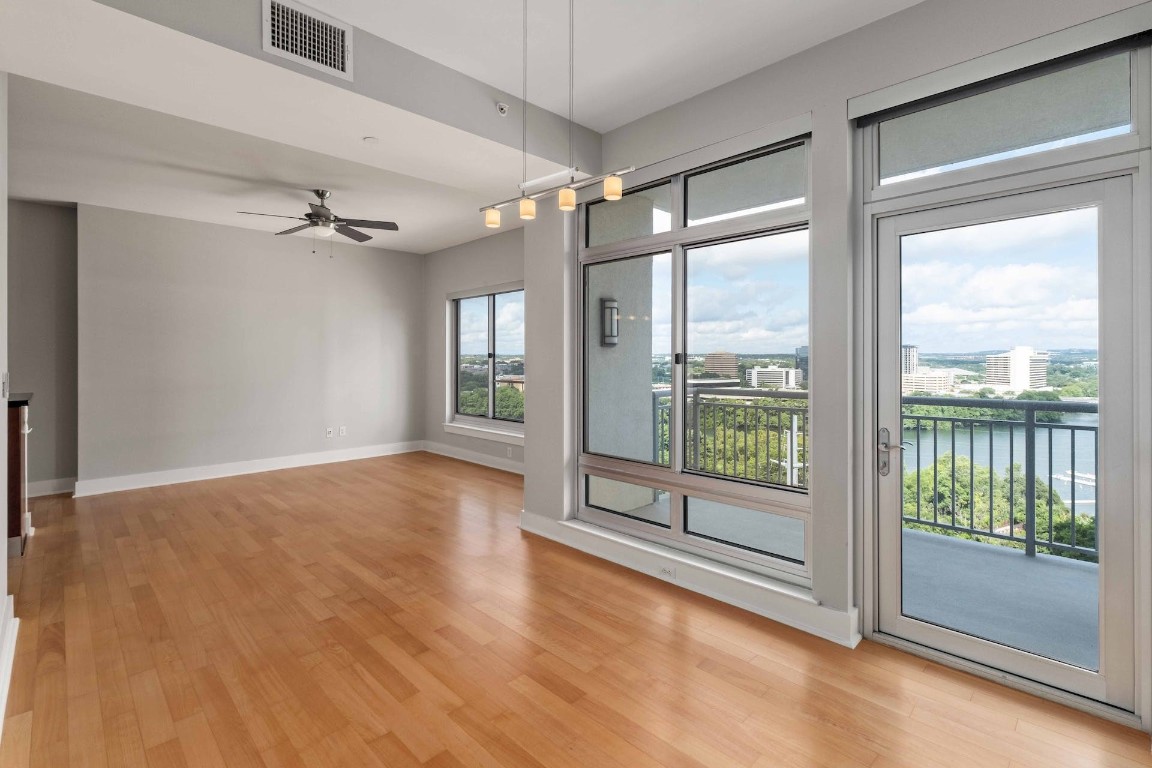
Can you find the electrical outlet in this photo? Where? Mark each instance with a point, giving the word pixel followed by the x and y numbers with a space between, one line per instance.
pixel 668 572
pixel 328 432
pixel 343 431
pixel 509 453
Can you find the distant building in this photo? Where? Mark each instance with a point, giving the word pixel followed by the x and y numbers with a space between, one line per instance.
pixel 909 359
pixel 773 377
pixel 1017 370
pixel 802 363
pixel 516 381
pixel 721 364
pixel 929 380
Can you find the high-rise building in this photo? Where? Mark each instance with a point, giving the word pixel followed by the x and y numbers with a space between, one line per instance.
pixel 909 359
pixel 721 364
pixel 802 363
pixel 1019 369
pixel 773 377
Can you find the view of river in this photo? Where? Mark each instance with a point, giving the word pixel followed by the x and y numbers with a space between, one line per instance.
pixel 1056 463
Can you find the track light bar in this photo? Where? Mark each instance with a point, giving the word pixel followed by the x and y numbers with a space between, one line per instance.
pixel 573 185
pixel 567 173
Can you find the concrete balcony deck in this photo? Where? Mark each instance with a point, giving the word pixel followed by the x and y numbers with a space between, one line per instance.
pixel 1045 604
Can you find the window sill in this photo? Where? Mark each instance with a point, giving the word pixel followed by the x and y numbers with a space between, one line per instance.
pixel 508 435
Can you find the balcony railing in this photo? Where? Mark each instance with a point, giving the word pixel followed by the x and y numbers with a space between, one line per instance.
pixel 745 434
pixel 993 477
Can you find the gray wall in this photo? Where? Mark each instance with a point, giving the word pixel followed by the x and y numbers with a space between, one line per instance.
pixel 490 261
pixel 42 331
pixel 4 625
pixel 201 344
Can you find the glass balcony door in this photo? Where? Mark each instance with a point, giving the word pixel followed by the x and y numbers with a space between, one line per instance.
pixel 1005 450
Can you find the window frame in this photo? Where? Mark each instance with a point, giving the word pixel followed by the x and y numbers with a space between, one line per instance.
pixel 673 479
pixel 488 426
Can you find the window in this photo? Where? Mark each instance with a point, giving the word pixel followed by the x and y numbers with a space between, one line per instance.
pixel 490 356
pixel 640 212
pixel 694 418
pixel 1073 105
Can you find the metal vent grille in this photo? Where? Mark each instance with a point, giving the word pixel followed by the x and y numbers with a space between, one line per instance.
pixel 307 37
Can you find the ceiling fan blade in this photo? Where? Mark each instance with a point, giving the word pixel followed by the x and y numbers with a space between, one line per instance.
pixel 275 215
pixel 321 211
pixel 366 224
pixel 295 229
pixel 359 237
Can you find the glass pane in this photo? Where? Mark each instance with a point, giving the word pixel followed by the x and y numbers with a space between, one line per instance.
pixel 628 358
pixel 1082 103
pixel 639 213
pixel 757 184
pixel 746 410
pixel 628 500
pixel 510 356
pixel 751 529
pixel 999 490
pixel 472 357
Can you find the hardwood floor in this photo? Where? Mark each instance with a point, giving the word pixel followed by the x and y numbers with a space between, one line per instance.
pixel 389 612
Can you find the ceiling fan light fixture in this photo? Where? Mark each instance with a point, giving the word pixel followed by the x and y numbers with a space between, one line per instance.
pixel 613 188
pixel 492 218
pixel 527 208
pixel 325 228
pixel 567 199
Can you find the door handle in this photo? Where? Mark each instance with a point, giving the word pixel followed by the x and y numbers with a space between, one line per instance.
pixel 884 448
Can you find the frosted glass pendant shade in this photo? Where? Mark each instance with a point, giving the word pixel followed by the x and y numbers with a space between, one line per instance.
pixel 567 199
pixel 492 218
pixel 613 188
pixel 527 208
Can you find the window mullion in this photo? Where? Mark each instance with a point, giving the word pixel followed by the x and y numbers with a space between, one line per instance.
pixel 491 355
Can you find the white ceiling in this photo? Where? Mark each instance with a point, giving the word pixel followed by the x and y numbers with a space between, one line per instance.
pixel 67 146
pixel 633 57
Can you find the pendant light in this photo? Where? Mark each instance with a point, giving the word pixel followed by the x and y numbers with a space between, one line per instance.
pixel 613 187
pixel 566 199
pixel 527 208
pixel 492 218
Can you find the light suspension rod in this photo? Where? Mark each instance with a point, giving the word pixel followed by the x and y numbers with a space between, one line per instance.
pixel 574 185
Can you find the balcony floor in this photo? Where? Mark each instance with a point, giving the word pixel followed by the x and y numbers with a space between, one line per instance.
pixel 1044 604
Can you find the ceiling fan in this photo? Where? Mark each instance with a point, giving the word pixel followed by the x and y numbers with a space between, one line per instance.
pixel 324 223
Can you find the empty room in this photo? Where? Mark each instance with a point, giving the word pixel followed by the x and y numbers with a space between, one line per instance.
pixel 646 383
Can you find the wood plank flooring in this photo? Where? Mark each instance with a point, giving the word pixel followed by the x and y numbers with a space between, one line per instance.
pixel 389 612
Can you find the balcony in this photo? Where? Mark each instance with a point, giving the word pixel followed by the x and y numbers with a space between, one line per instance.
pixel 999 503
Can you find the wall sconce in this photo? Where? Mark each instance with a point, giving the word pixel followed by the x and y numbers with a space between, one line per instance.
pixel 609 322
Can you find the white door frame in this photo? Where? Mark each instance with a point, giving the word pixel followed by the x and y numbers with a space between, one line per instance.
pixel 1135 165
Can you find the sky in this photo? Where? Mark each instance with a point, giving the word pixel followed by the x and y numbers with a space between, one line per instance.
pixel 509 325
pixel 1022 282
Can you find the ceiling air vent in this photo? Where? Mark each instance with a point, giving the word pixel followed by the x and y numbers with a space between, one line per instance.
pixel 305 36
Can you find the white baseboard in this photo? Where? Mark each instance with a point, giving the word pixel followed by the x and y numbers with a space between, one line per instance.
pixel 474 457
pixel 9 626
pixel 780 602
pixel 189 474
pixel 51 487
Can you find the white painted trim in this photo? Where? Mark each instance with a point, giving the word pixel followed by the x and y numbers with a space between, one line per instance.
pixel 9 627
pixel 51 487
pixel 474 457
pixel 1106 29
pixel 188 474
pixel 776 600
pixel 484 433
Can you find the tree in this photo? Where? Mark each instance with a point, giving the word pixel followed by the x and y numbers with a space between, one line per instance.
pixel 509 403
pixel 1043 417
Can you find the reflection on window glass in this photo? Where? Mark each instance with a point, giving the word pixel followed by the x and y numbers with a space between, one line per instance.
pixel 639 213
pixel 1083 103
pixel 746 400
pixel 755 185
pixel 509 360
pixel 763 532
pixel 472 372
pixel 628 358
pixel 635 501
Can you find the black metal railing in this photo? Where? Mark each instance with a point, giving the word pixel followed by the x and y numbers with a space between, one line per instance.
pixel 745 434
pixel 992 476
